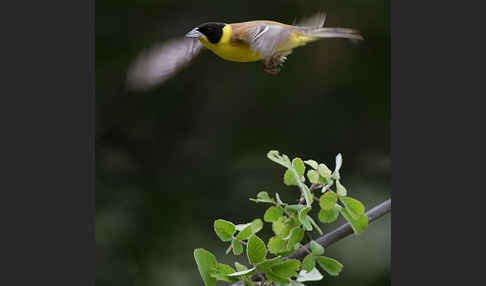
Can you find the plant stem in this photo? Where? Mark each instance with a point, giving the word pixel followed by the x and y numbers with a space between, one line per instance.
pixel 344 230
pixel 315 187
pixel 243 242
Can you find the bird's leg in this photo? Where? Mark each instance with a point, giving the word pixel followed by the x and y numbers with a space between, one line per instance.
pixel 271 70
pixel 274 64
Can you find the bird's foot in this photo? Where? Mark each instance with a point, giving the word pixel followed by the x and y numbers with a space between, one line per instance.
pixel 271 70
pixel 274 64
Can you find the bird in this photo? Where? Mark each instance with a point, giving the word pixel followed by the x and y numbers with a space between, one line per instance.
pixel 270 42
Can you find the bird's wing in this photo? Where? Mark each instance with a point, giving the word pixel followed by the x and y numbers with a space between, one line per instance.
pixel 264 37
pixel 161 62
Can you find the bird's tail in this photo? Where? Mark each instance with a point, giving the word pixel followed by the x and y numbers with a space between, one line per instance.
pixel 334 33
pixel 313 27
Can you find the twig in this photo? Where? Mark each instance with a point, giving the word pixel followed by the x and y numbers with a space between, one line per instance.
pixel 315 187
pixel 343 230
pixel 243 242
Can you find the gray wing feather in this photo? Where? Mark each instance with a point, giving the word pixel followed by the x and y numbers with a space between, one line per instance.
pixel 161 62
pixel 265 38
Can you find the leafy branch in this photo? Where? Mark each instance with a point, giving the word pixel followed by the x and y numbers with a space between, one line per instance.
pixel 290 223
pixel 344 230
pixel 335 235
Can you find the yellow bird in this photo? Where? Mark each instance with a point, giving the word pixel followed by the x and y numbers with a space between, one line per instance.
pixel 267 41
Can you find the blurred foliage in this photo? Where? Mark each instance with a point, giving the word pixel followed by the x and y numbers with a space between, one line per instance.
pixel 171 161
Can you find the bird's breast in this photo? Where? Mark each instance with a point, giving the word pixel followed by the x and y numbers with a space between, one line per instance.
pixel 233 51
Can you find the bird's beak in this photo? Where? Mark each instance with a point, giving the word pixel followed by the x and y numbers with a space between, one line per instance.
pixel 194 33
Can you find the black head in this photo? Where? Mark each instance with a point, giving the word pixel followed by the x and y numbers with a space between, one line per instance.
pixel 213 31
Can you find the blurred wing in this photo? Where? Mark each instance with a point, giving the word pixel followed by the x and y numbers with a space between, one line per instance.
pixel 161 62
pixel 265 38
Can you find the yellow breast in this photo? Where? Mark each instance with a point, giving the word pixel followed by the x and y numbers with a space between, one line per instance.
pixel 231 51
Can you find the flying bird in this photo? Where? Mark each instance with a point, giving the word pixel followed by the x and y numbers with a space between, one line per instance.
pixel 267 41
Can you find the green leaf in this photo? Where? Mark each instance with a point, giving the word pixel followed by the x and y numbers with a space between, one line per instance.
pixel 245 233
pixel 280 226
pixel 303 212
pixel 340 189
pixel 293 208
pixel 313 176
pixel 240 227
pixel 276 245
pixel 250 228
pixel 221 273
pixel 324 171
pixel 313 275
pixel 325 181
pixel 287 268
pixel 282 160
pixel 303 218
pixel 306 223
pixel 256 225
pixel 206 262
pixel 263 197
pixel 313 223
pixel 240 267
pixel 307 195
pixel 299 166
pixel 316 248
pixel 308 263
pixel 328 200
pixel 273 213
pixel 220 276
pixel 296 236
pixel 292 222
pixel 328 216
pixel 224 229
pixel 224 268
pixel 237 247
pixel 274 277
pixel 312 163
pixel 332 266
pixel 290 179
pixel 267 265
pixel 359 224
pixel 355 207
pixel 256 249
pixel 277 270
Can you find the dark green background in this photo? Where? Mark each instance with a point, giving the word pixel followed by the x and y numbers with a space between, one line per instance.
pixel 172 160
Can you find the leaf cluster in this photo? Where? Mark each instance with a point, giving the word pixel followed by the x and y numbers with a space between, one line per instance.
pixel 289 222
